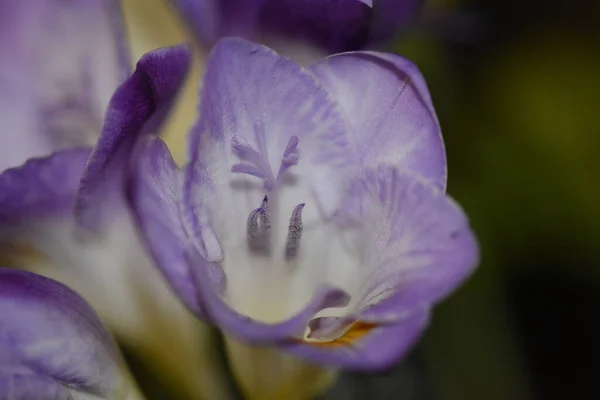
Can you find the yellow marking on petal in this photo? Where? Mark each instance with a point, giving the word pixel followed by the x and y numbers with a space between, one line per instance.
pixel 14 252
pixel 356 332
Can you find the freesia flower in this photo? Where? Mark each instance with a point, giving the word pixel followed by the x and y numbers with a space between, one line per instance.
pixel 53 346
pixel 330 25
pixel 65 215
pixel 311 216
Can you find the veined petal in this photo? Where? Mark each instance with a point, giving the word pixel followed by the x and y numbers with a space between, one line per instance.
pixel 60 61
pixel 52 344
pixel 386 99
pixel 156 194
pixel 138 107
pixel 415 246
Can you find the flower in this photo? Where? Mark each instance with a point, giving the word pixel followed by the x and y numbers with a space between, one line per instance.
pixel 332 25
pixel 53 346
pixel 312 214
pixel 61 61
pixel 65 215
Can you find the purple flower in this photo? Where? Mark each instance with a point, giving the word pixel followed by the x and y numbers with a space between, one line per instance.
pixel 52 344
pixel 332 25
pixel 312 214
pixel 60 61
pixel 66 216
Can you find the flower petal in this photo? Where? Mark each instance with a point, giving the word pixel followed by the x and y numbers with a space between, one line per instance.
pixel 250 93
pixel 138 107
pixel 60 62
pixel 415 246
pixel 386 99
pixel 52 344
pixel 213 19
pixel 365 347
pixel 156 195
pixel 334 25
pixel 41 188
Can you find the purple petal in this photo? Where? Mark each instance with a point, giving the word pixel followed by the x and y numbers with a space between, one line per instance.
pixel 251 93
pixel 417 244
pixel 416 247
pixel 52 344
pixel 364 346
pixel 212 19
pixel 41 188
pixel 60 61
pixel 138 107
pixel 386 99
pixel 156 195
pixel 334 25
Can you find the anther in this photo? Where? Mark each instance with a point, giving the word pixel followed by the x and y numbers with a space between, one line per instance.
pixel 294 233
pixel 258 227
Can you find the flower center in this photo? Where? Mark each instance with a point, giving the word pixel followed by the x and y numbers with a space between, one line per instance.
pixel 255 162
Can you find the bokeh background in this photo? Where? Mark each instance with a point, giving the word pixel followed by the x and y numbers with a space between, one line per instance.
pixel 516 84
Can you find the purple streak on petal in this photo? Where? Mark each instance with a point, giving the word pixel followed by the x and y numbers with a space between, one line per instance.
pixel 423 247
pixel 156 195
pixel 60 61
pixel 51 342
pixel 386 99
pixel 137 108
pixel 381 348
pixel 42 187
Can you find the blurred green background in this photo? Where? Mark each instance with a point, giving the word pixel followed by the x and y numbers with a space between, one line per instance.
pixel 516 85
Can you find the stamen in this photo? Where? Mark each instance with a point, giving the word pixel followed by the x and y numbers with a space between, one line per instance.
pixel 258 228
pixel 294 232
pixel 256 163
pixel 290 157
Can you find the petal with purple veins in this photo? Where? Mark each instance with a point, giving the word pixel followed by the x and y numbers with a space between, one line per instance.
pixel 386 99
